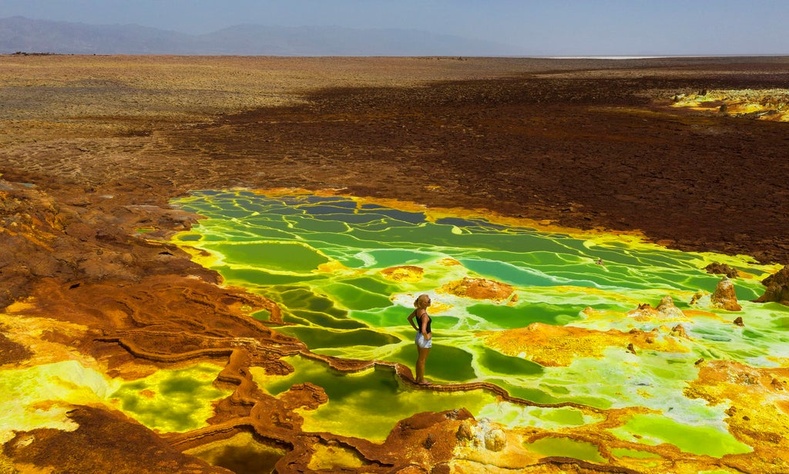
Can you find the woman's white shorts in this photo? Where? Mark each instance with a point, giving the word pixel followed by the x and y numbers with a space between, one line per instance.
pixel 423 343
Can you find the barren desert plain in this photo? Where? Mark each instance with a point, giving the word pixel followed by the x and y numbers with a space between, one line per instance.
pixel 206 264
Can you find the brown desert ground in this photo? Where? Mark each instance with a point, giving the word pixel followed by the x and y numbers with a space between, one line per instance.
pixel 92 149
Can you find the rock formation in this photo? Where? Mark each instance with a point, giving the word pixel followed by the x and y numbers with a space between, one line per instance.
pixel 725 297
pixel 410 273
pixel 480 289
pixel 777 287
pixel 722 269
pixel 665 310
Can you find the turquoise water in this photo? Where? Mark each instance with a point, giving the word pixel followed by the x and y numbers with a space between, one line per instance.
pixel 324 260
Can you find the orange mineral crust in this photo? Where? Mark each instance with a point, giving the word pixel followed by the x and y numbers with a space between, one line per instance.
pixel 479 289
pixel 757 411
pixel 553 346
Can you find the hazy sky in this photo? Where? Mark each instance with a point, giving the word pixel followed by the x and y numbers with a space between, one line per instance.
pixel 546 27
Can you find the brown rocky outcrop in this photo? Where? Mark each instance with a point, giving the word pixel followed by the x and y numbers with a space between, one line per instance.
pixel 777 287
pixel 725 297
pixel 722 269
pixel 679 331
pixel 117 444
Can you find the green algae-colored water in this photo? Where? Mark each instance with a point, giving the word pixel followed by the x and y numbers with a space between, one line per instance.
pixel 553 446
pixel 367 404
pixel 321 259
pixel 172 399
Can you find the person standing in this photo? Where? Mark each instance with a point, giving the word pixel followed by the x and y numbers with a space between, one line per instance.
pixel 420 321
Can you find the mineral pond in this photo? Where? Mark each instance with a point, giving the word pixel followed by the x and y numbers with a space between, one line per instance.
pixel 595 346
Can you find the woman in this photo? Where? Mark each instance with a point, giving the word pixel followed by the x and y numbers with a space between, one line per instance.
pixel 424 336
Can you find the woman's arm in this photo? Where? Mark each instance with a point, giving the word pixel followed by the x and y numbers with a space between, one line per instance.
pixel 411 320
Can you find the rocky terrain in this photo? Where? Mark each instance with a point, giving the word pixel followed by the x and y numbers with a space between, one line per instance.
pixel 93 148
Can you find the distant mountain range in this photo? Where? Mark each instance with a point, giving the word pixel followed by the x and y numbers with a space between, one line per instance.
pixel 19 34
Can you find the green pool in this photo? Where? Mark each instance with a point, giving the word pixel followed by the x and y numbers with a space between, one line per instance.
pixel 324 260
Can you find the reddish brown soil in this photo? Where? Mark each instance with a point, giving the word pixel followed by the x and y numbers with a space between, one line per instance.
pixel 583 143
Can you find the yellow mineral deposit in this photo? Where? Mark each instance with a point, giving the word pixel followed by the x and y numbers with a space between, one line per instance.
pixel 768 104
pixel 553 346
pixel 41 395
pixel 409 273
pixel 38 391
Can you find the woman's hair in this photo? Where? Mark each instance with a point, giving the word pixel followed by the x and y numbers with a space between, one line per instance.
pixel 420 297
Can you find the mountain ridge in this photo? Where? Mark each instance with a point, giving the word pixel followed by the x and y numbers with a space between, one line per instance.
pixel 21 34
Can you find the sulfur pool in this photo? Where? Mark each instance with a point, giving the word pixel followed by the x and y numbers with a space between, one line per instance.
pixel 345 272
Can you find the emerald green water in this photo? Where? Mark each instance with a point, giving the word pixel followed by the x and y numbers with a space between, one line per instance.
pixel 656 429
pixel 551 446
pixel 367 404
pixel 321 259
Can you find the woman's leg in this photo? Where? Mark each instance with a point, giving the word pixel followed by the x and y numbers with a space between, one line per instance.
pixel 420 364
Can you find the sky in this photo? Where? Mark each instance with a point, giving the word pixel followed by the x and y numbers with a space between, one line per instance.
pixel 544 27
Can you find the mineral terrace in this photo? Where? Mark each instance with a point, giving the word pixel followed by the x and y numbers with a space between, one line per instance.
pixel 690 153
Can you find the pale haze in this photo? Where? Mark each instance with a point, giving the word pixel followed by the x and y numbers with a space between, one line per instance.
pixel 536 27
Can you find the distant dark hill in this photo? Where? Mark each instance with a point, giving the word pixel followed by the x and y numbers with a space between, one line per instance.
pixel 19 34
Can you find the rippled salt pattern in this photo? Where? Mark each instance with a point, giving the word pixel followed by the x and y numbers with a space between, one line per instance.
pixel 321 258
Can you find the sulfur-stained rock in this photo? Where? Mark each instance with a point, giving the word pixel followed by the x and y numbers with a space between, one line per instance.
pixel 494 448
pixel 767 104
pixel 557 346
pixel 334 457
pixel 664 310
pixel 465 431
pixel 725 297
pixel 495 440
pixel 679 331
pixel 777 287
pixel 757 411
pixel 11 351
pixel 700 298
pixel 479 289
pixel 409 273
pixel 667 308
pixel 436 435
pixel 449 262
